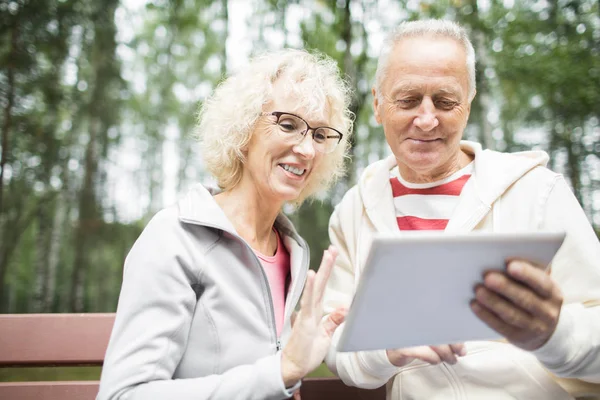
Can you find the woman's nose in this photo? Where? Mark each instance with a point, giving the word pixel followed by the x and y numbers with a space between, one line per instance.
pixel 306 146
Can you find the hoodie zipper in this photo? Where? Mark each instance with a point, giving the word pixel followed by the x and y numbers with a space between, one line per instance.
pixel 263 273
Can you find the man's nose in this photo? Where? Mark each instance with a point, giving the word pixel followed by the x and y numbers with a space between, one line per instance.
pixel 426 118
pixel 306 146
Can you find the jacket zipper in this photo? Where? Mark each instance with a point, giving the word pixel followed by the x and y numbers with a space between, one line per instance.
pixel 266 280
pixel 263 273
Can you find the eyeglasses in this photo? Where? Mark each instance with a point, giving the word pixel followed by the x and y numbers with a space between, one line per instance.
pixel 293 128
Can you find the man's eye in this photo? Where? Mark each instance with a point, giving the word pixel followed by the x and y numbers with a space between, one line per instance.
pixel 407 102
pixel 446 104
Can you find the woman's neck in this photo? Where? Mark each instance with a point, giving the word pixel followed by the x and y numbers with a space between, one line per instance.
pixel 252 217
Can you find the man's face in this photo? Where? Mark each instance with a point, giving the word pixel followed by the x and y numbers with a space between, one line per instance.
pixel 424 106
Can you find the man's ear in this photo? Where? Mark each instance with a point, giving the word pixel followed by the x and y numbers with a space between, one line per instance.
pixel 376 105
pixel 469 104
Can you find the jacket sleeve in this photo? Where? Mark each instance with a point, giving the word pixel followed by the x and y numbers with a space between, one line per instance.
pixel 573 351
pixel 154 315
pixel 365 369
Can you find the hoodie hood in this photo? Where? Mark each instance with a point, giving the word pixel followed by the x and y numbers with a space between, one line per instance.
pixel 493 173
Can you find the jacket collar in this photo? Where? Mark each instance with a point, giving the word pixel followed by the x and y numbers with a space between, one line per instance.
pixel 493 174
pixel 199 207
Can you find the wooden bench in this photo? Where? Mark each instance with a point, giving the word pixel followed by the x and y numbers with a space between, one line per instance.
pixel 28 340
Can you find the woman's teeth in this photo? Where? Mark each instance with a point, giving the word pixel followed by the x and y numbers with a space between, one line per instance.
pixel 293 170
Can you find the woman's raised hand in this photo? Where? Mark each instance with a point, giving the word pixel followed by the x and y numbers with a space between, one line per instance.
pixel 311 331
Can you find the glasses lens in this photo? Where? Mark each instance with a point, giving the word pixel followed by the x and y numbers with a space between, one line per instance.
pixel 291 126
pixel 326 139
pixel 293 129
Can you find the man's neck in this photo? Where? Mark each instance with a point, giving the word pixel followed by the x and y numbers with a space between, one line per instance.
pixel 453 165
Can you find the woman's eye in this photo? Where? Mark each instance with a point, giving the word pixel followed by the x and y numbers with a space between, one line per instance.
pixel 319 136
pixel 287 125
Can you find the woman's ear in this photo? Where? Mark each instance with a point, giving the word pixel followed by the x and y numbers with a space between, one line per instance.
pixel 244 151
pixel 245 146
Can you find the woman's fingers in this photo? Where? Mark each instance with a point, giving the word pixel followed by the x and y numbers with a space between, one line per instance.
pixel 306 303
pixel 315 285
pixel 323 274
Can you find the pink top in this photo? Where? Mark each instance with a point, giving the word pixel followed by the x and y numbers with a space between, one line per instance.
pixel 277 268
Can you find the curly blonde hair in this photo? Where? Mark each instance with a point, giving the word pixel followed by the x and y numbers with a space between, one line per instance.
pixel 227 118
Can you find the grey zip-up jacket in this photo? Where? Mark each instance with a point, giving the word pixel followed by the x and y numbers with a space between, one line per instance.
pixel 195 318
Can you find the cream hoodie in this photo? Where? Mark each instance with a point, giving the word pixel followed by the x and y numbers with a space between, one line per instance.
pixel 506 193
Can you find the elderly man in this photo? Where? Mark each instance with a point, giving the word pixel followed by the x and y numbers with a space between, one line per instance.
pixel 425 84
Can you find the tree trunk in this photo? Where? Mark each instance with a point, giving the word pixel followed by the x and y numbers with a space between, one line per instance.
pixel 483 97
pixel 10 77
pixel 86 221
pixel 44 235
pixel 225 5
pixel 56 236
pixel 100 115
pixel 354 70
pixel 6 126
pixel 574 164
pixel 18 225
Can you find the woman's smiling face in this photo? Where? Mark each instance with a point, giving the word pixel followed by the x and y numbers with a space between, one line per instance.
pixel 278 169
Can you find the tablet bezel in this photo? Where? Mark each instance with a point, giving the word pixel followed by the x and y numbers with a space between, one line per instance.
pixel 540 248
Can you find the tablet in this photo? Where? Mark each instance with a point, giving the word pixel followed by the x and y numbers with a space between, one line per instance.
pixel 416 287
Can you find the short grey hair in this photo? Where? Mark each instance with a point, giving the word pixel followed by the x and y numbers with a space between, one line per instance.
pixel 227 118
pixel 423 28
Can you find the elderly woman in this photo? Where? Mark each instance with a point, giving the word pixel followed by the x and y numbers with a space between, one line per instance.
pixel 433 180
pixel 211 284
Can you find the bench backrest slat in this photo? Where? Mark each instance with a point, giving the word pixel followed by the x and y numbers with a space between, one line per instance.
pixel 54 339
pixel 82 390
pixel 311 389
pixel 77 339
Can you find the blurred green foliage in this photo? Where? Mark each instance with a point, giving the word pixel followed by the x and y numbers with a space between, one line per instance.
pixel 98 103
pixel 93 94
pixel 50 374
pixel 84 374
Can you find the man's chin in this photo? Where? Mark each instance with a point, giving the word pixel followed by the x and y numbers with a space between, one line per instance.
pixel 421 165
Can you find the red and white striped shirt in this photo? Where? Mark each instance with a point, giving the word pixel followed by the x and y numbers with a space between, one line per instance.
pixel 427 206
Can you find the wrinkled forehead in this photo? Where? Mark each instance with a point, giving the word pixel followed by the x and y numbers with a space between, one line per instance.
pixel 427 61
pixel 303 96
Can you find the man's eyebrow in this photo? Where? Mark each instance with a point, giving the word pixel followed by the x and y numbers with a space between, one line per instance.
pixel 410 87
pixel 406 87
pixel 449 90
